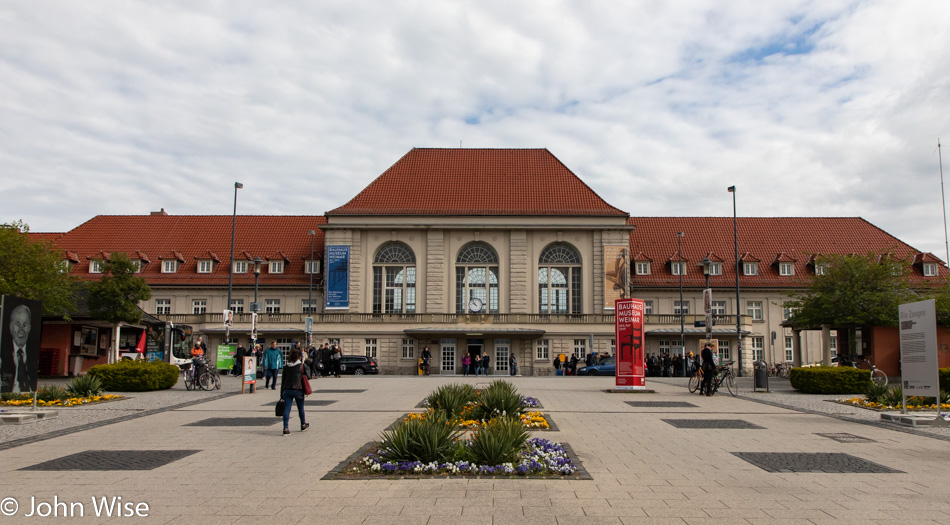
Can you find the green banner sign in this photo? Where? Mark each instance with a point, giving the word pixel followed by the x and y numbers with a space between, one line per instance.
pixel 225 357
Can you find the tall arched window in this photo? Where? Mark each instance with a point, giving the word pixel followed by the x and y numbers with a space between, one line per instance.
pixel 476 279
pixel 559 280
pixel 394 280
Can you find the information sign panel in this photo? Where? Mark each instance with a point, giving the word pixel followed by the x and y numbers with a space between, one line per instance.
pixel 628 327
pixel 918 333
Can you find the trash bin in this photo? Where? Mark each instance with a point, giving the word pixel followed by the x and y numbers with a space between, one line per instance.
pixel 75 365
pixel 761 375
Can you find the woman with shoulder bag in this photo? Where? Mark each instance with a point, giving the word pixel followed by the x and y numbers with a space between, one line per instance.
pixel 292 389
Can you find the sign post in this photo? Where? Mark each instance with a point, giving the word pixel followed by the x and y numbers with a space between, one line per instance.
pixel 918 333
pixel 628 330
pixel 250 374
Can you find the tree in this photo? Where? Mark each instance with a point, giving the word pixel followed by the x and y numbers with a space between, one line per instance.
pixel 116 297
pixel 34 270
pixel 854 291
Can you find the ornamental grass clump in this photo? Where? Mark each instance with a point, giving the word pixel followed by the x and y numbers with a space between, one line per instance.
pixel 84 386
pixel 51 393
pixel 433 438
pixel 451 399
pixel 499 399
pixel 501 441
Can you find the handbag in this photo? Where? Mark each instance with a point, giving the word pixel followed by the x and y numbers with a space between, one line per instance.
pixel 279 409
pixel 304 383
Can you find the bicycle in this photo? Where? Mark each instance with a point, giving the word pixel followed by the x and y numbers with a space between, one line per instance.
pixel 723 375
pixel 206 379
pixel 878 377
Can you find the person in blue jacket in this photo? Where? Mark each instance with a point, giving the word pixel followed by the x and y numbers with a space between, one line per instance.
pixel 272 361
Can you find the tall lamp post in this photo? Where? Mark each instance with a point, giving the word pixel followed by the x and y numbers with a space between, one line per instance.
pixel 707 297
pixel 735 237
pixel 227 326
pixel 679 240
pixel 256 306
pixel 313 236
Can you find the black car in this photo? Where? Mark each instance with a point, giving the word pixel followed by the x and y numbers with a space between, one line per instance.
pixel 358 365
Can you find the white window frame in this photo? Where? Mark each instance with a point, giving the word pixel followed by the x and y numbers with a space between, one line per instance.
pixel 820 268
pixel 169 265
pixel 758 348
pixel 725 352
pixel 408 348
pixel 677 266
pixel 272 306
pixel 648 307
pixel 310 308
pixel 95 266
pixel 137 264
pixel 718 307
pixel 787 312
pixel 643 267
pixel 370 348
pixel 834 345
pixel 789 349
pixel 311 267
pixel 205 265
pixel 240 267
pixel 163 306
pixel 681 308
pixel 275 267
pixel 930 270
pixel 755 310
pixel 715 268
pixel 786 269
pixel 750 268
pixel 580 348
pixel 199 306
pixel 237 305
pixel 666 346
pixel 542 350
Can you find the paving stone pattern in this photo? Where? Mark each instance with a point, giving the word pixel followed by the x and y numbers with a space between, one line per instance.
pixel 96 460
pixel 235 422
pixel 729 424
pixel 661 404
pixel 844 437
pixel 340 391
pixel 307 403
pixel 831 462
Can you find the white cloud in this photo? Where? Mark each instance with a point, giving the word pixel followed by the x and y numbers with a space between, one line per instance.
pixel 810 108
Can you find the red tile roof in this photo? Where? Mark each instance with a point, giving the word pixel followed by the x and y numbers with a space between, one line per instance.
pixel 466 182
pixel 189 238
pixel 789 239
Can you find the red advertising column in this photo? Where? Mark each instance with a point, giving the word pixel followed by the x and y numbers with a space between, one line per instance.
pixel 628 325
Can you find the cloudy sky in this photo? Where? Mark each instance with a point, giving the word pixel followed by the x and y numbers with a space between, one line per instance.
pixel 825 108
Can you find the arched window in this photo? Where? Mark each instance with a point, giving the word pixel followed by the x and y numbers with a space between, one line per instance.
pixel 476 279
pixel 394 279
pixel 559 280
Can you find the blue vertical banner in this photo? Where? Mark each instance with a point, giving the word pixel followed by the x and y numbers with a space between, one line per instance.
pixel 338 276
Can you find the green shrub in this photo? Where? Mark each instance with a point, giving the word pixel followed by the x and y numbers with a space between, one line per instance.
pixel 51 393
pixel 499 399
pixel 830 380
pixel 135 375
pixel 84 386
pixel 450 399
pixel 501 441
pixel 15 396
pixel 894 397
pixel 425 440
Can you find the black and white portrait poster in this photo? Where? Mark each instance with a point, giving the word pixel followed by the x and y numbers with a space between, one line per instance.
pixel 20 325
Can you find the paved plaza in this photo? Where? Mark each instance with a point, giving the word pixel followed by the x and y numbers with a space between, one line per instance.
pixel 219 457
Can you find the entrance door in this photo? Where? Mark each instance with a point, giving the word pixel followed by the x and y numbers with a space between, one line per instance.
pixel 448 357
pixel 502 351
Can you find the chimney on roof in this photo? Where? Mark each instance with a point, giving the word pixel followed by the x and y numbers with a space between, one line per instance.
pixel 160 212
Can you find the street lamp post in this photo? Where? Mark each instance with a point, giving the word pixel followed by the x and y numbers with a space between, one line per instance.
pixel 313 236
pixel 256 306
pixel 227 326
pixel 707 297
pixel 735 237
pixel 679 240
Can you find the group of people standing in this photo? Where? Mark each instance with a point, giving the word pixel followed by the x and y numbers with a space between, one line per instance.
pixel 476 364
pixel 325 360
pixel 666 365
pixel 318 362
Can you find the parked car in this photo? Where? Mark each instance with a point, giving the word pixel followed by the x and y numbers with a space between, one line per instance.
pixel 358 365
pixel 606 367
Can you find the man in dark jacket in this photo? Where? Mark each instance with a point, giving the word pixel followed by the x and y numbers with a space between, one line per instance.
pixel 709 370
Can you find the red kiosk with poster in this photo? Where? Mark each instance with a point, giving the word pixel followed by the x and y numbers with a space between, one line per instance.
pixel 628 326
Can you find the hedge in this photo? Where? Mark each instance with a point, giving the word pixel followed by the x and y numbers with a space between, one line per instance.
pixel 136 375
pixel 830 380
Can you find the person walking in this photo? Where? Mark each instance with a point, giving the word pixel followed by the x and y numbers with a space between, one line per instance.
pixel 512 365
pixel 466 363
pixel 239 360
pixel 486 361
pixel 291 389
pixel 709 370
pixel 272 361
pixel 336 356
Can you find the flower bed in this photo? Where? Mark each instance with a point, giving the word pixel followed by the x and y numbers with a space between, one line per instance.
pixel 68 402
pixel 912 404
pixel 541 458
